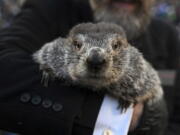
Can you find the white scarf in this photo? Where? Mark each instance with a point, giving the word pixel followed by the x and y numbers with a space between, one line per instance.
pixel 110 120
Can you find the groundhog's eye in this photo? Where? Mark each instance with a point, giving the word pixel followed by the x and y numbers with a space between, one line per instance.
pixel 116 45
pixel 77 44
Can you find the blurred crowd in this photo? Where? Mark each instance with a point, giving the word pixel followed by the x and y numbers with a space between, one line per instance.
pixel 168 10
pixel 8 9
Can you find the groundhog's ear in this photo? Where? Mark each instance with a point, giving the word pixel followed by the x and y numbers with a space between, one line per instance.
pixel 122 41
pixel 59 42
pixel 126 43
pixel 69 39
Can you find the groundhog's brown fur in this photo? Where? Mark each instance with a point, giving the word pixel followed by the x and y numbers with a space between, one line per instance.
pixel 98 56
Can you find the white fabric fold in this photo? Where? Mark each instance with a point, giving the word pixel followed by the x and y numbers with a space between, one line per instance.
pixel 110 120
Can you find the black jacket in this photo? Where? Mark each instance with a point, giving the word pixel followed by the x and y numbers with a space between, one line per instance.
pixel 26 106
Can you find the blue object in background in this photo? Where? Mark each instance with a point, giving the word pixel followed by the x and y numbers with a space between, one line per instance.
pixel 165 11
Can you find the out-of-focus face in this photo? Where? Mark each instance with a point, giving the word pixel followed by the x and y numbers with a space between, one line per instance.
pixel 132 15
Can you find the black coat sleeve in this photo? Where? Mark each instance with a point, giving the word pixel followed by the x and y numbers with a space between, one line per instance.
pixel 39 21
pixel 173 62
pixel 174 118
pixel 166 55
pixel 26 106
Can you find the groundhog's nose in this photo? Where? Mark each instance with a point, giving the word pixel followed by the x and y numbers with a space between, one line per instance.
pixel 96 59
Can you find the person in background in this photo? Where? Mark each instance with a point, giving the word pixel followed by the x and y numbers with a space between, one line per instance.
pixel 169 11
pixel 28 107
pixel 9 9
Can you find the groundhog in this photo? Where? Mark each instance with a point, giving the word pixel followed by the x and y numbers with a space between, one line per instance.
pixel 99 58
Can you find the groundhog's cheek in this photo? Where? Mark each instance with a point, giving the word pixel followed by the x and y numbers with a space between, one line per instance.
pixel 72 71
pixel 77 71
pixel 112 76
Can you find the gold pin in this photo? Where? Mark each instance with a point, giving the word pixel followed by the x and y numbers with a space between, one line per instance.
pixel 107 132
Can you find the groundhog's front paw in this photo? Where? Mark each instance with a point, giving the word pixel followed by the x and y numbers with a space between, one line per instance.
pixel 42 57
pixel 124 105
